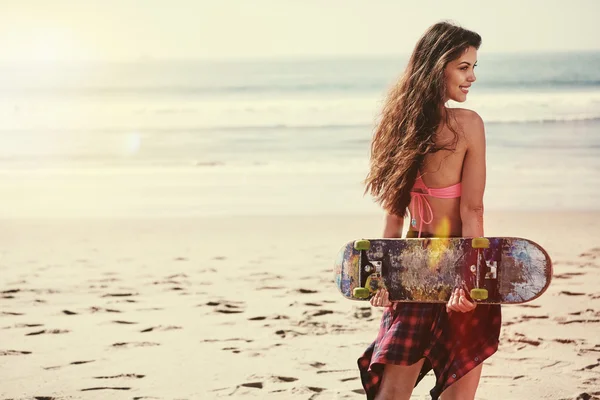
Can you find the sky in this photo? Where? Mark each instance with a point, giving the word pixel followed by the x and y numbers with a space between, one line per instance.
pixel 121 30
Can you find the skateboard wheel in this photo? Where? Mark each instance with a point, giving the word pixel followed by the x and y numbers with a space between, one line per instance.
pixel 479 294
pixel 361 293
pixel 480 243
pixel 362 245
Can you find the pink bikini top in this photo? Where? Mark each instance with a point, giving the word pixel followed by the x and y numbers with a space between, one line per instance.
pixel 418 195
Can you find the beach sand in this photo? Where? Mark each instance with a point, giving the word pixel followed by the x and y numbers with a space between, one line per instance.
pixel 245 307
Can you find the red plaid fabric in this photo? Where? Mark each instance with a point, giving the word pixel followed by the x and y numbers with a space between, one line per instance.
pixel 452 344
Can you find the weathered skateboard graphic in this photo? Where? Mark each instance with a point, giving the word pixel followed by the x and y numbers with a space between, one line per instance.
pixel 493 270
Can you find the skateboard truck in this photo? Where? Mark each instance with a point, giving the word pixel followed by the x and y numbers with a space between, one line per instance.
pixel 368 269
pixel 479 293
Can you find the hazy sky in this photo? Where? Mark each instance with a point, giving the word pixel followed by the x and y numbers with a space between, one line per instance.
pixel 49 30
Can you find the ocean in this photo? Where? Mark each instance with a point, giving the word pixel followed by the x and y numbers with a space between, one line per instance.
pixel 275 137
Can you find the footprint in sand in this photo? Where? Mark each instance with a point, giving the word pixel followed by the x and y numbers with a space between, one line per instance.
pixel 28 325
pixel 567 275
pixel 81 362
pixel 578 321
pixel 592 382
pixel 568 293
pixel 99 287
pixel 48 332
pixel 591 254
pixel 105 280
pixel 285 379
pixel 591 366
pixel 177 281
pixel 588 396
pixel 520 338
pixel 234 350
pixel 119 294
pixel 528 317
pixel 270 288
pixel 566 341
pixel 8 294
pixel 150 309
pixel 100 309
pixel 363 313
pixel 134 344
pixel 161 328
pixel 258 382
pixel 288 332
pixel 307 291
pixel 227 340
pixel 317 313
pixel 181 275
pixel 130 376
pixel 254 385
pixel 587 311
pixel 227 307
pixel 262 318
pixel 257 385
pixel 71 363
pixel 13 352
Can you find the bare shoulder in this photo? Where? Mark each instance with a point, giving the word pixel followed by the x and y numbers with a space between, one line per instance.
pixel 467 118
pixel 470 123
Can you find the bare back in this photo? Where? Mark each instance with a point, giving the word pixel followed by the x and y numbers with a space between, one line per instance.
pixel 462 164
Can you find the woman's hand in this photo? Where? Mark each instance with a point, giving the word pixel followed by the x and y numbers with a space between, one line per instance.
pixel 381 299
pixel 459 302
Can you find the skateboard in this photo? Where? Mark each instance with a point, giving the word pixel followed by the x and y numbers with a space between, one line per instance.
pixel 492 270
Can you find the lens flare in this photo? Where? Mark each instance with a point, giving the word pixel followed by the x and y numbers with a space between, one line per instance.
pixel 439 246
pixel 443 228
pixel 133 143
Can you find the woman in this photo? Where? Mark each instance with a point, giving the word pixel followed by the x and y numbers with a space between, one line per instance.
pixel 429 160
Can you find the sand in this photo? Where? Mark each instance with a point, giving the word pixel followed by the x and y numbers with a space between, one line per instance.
pixel 245 307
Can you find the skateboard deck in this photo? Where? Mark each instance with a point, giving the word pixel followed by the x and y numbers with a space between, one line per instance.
pixel 492 270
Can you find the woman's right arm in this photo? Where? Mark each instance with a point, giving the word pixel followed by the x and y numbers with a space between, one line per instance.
pixel 473 178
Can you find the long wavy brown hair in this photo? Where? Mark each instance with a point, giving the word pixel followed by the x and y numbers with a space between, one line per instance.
pixel 411 115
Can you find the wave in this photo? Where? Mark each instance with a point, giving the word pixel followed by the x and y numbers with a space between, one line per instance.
pixel 361 126
pixel 271 89
pixel 543 120
pixel 280 128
